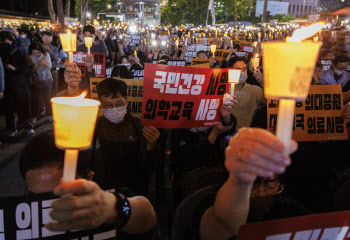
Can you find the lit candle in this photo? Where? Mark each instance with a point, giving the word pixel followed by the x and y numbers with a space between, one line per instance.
pixel 177 43
pixel 255 62
pixel 216 33
pixel 294 62
pixel 259 37
pixel 88 43
pixel 213 49
pixel 315 39
pixel 69 44
pixel 74 124
pixel 233 78
pixel 135 53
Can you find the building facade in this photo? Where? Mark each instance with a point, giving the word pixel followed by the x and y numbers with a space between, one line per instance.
pixel 326 5
pixel 297 8
pixel 145 12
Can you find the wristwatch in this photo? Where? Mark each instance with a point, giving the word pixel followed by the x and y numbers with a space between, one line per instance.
pixel 123 210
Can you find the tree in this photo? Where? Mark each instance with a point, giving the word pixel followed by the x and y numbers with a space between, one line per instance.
pixel 184 11
pixel 51 11
pixel 60 13
pixel 67 8
pixel 238 8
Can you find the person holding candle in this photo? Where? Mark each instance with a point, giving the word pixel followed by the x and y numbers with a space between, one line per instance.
pixel 41 166
pixel 97 47
pixel 249 97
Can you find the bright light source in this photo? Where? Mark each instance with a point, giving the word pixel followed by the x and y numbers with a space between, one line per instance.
pixel 109 6
pixel 133 28
pixel 163 43
pixel 88 14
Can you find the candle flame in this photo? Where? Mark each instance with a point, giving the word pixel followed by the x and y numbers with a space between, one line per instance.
pixel 82 95
pixel 256 55
pixel 303 33
pixel 68 31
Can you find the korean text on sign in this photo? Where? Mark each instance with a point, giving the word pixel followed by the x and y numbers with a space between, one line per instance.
pixel 318 118
pixel 99 63
pixel 180 97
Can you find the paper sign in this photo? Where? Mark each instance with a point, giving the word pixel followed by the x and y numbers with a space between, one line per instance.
pixel 193 49
pixel 326 64
pixel 195 61
pixel 24 217
pixel 221 54
pixel 241 54
pixel 327 226
pixel 132 40
pixel 182 97
pixel 318 118
pixel 99 63
pixel 203 65
pixel 135 92
pixel 248 49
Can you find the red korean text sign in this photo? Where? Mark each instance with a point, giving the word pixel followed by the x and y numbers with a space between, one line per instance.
pixel 99 63
pixel 180 97
pixel 318 227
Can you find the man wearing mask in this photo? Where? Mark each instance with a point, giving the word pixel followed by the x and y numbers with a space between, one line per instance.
pixel 336 74
pixel 25 42
pixel 123 149
pixel 97 46
pixel 249 97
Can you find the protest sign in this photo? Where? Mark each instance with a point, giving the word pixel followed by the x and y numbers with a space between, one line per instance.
pixel 241 54
pixel 324 226
pixel 24 217
pixel 195 61
pixel 180 63
pixel 193 49
pixel 318 118
pixel 182 97
pixel 326 64
pixel 99 63
pixel 135 92
pixel 137 73
pixel 248 49
pixel 132 40
pixel 203 65
pixel 221 54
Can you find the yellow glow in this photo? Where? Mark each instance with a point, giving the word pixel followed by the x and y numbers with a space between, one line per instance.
pixel 288 69
pixel 88 41
pixel 69 42
pixel 233 75
pixel 74 121
pixel 213 48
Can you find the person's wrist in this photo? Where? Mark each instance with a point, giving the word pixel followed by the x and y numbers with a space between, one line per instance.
pixel 90 69
pixel 110 208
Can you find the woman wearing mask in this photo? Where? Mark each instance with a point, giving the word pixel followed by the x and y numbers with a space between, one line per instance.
pixel 17 81
pixel 40 64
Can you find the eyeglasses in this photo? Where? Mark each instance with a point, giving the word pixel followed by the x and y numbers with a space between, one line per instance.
pixel 268 183
pixel 109 106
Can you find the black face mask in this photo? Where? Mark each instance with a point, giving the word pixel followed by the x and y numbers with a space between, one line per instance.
pixel 260 207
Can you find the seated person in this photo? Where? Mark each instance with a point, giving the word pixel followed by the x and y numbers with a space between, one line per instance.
pixel 84 204
pixel 244 197
pixel 197 154
pixel 123 150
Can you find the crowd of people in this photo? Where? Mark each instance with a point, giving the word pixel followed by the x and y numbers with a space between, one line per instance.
pixel 255 179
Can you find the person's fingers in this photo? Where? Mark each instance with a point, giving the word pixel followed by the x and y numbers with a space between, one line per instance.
pixel 76 202
pixel 262 136
pixel 80 186
pixel 148 136
pixel 66 216
pixel 84 223
pixel 153 129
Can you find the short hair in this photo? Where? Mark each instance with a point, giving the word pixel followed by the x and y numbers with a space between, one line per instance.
pixel 46 33
pixel 324 52
pixel 124 56
pixel 89 28
pixel 341 59
pixel 7 35
pixel 136 66
pixel 164 62
pixel 233 61
pixel 36 46
pixel 121 71
pixel 112 87
pixel 165 57
pixel 202 51
pixel 41 152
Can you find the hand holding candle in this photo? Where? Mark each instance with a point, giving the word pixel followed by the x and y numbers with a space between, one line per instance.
pixel 213 49
pixel 88 43
pixel 294 62
pixel 233 78
pixel 69 44
pixel 74 124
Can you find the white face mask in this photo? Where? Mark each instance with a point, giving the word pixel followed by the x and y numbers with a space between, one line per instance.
pixel 115 115
pixel 338 72
pixel 23 36
pixel 243 77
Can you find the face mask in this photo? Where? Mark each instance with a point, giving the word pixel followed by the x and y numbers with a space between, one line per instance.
pixel 338 72
pixel 242 77
pixel 23 36
pixel 115 115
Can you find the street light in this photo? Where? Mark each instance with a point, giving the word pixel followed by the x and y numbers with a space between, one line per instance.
pixel 109 6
